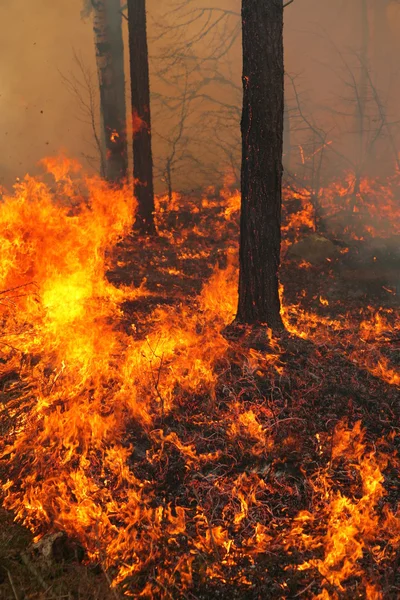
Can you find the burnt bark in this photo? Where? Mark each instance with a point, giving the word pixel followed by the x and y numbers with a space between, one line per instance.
pixel 261 174
pixel 140 93
pixel 107 26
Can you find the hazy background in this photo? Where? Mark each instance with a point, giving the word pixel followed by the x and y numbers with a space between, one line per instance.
pixel 39 116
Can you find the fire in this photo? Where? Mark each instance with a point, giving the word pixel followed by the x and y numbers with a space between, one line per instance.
pixel 137 123
pixel 376 204
pixel 171 454
pixel 114 136
pixel 348 525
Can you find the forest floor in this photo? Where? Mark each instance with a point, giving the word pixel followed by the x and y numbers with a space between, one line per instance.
pixel 269 432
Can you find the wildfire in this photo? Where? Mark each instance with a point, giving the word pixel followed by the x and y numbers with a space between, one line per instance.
pixel 171 454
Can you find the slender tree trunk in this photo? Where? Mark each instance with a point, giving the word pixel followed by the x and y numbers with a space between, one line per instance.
pixel 384 53
pixel 107 25
pixel 362 86
pixel 361 92
pixel 382 33
pixel 140 89
pixel 168 178
pixel 262 135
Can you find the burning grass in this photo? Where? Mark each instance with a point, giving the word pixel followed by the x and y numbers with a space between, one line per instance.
pixel 186 464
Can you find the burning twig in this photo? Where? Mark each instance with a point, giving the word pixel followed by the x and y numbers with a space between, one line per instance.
pixel 156 381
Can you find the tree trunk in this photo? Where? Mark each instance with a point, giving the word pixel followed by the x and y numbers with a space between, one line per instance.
pixel 107 26
pixel 168 178
pixel 287 139
pixel 140 89
pixel 361 98
pixel 382 33
pixel 384 52
pixel 362 95
pixel 262 135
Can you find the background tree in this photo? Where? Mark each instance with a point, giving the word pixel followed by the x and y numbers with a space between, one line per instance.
pixel 261 173
pixel 195 59
pixel 140 94
pixel 83 87
pixel 107 26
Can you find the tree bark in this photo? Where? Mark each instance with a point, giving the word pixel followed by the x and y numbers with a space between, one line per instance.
pixel 140 91
pixel 262 146
pixel 107 26
pixel 287 138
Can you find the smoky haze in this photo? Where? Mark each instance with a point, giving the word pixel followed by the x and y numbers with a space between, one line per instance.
pixel 196 86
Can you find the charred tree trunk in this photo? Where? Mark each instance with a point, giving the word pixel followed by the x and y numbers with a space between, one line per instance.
pixel 262 135
pixel 107 26
pixel 140 89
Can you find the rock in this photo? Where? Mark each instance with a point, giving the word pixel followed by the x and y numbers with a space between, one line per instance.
pixel 314 249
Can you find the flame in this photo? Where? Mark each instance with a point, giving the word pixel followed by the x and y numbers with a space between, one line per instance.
pixel 114 136
pixel 348 525
pixel 137 123
pixel 168 451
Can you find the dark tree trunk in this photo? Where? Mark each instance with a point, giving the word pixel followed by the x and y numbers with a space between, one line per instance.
pixel 107 25
pixel 287 139
pixel 262 135
pixel 140 89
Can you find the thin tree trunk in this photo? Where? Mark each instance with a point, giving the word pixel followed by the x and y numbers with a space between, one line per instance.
pixel 140 90
pixel 262 135
pixel 107 26
pixel 384 53
pixel 382 33
pixel 363 83
pixel 168 177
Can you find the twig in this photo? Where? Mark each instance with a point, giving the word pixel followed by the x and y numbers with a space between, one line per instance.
pixel 108 578
pixel 283 420
pixel 305 590
pixel 156 382
pixel 17 287
pixel 162 586
pixel 12 584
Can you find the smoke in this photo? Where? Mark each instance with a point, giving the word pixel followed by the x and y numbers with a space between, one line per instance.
pixel 37 114
pixel 196 86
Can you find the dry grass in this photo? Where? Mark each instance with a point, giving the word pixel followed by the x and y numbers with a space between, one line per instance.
pixel 23 578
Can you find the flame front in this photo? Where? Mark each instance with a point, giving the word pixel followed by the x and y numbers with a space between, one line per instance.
pixel 159 451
